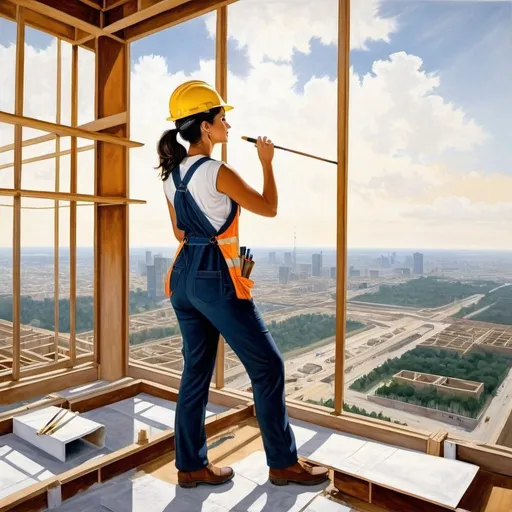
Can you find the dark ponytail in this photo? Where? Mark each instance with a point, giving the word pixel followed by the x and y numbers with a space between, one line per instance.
pixel 170 152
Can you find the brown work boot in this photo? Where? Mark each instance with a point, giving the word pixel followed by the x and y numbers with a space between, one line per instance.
pixel 210 475
pixel 299 473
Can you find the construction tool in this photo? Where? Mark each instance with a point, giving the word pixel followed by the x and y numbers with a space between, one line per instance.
pixel 253 140
pixel 52 422
pixel 59 424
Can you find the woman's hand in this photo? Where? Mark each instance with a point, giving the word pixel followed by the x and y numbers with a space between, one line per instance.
pixel 265 150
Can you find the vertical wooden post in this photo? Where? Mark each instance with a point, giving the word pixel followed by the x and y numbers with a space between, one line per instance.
pixel 16 243
pixel 341 200
pixel 111 222
pixel 56 243
pixel 221 84
pixel 72 208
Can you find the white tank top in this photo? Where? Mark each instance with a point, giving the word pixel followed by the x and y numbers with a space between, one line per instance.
pixel 203 188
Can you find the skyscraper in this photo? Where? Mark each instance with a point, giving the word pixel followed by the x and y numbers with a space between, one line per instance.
pixel 284 275
pixel 418 263
pixel 317 265
pixel 288 259
pixel 272 258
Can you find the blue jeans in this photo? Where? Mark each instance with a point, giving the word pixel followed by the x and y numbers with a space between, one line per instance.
pixel 206 305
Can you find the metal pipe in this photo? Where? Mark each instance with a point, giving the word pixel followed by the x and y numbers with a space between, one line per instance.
pixel 253 140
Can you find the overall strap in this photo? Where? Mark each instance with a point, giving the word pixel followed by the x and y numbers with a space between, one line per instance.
pixel 181 184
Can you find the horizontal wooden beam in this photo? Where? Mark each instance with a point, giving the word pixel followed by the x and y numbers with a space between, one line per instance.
pixel 48 156
pixel 144 13
pixel 112 4
pixel 181 13
pixel 43 23
pixel 68 196
pixel 72 12
pixel 93 126
pixel 60 129
pixel 51 382
pixel 95 4
pixel 487 458
pixel 166 378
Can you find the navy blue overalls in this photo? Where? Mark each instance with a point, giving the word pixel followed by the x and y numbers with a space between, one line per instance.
pixel 204 299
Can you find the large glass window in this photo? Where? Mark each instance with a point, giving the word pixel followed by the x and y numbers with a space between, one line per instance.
pixel 159 64
pixel 430 254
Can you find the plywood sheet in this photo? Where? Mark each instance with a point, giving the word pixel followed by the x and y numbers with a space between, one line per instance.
pixel 433 479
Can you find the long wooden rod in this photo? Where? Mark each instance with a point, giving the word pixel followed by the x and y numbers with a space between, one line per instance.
pixel 342 199
pixel 18 136
pixel 253 140
pixel 48 156
pixel 221 79
pixel 66 196
pixel 60 129
pixel 72 214
pixel 56 241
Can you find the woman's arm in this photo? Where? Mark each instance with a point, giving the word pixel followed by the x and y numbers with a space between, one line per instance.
pixel 178 233
pixel 230 183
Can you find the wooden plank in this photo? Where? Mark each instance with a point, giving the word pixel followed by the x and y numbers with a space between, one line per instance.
pixel 392 500
pixel 43 368
pixel 47 383
pixel 71 12
pixel 95 4
pixel 435 444
pixel 180 14
pixel 48 156
pixel 112 4
pixel 66 196
pixel 128 14
pixel 499 500
pixel 93 126
pixel 116 15
pixel 16 243
pixel 64 130
pixel 221 84
pixel 56 243
pixel 103 397
pixel 486 458
pixel 342 198
pixel 352 486
pixel 216 396
pixel 41 22
pixel 112 243
pixel 73 173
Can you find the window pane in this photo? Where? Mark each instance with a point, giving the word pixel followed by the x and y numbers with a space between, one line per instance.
pixel 430 254
pixel 6 258
pixel 158 65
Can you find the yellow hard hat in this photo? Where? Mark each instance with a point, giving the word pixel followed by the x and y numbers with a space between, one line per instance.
pixel 193 97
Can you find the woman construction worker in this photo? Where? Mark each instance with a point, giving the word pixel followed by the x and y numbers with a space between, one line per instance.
pixel 208 292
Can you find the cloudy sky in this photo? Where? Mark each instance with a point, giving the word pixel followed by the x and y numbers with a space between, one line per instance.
pixel 430 110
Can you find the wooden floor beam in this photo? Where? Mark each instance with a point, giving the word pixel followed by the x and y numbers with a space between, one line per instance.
pixel 51 382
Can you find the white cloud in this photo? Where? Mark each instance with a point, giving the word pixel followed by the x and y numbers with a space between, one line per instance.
pixel 461 209
pixel 290 26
